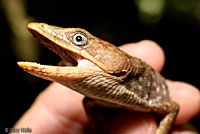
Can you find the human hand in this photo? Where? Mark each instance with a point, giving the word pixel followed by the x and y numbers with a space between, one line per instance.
pixel 59 110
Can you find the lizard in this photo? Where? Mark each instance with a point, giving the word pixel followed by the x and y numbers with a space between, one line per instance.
pixel 108 77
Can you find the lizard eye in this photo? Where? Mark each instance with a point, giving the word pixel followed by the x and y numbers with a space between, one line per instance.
pixel 79 39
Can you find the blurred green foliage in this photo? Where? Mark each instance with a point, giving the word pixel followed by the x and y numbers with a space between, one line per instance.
pixel 151 11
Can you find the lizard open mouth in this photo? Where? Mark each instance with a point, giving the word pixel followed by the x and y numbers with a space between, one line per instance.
pixel 76 61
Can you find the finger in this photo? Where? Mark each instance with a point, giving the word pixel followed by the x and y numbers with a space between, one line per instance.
pixel 148 51
pixel 188 97
pixel 56 110
pixel 129 122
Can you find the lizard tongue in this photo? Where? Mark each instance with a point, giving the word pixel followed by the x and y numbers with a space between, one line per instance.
pixel 80 62
pixel 85 62
pixel 72 59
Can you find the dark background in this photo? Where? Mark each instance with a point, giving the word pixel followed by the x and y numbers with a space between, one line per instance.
pixel 173 24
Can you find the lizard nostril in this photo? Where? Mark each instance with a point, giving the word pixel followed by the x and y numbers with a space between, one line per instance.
pixel 42 25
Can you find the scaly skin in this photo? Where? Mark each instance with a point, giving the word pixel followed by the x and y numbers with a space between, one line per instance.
pixel 106 75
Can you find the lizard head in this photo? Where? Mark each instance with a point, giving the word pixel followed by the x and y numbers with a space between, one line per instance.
pixel 77 47
pixel 89 65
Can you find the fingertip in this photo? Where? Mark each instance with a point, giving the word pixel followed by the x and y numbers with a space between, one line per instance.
pixel 188 97
pixel 148 51
pixel 127 122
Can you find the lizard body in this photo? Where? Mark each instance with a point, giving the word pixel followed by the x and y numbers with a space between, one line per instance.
pixel 102 72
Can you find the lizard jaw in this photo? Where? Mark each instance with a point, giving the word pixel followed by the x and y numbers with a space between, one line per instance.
pixel 60 74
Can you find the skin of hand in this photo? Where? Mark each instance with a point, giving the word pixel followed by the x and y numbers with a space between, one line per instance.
pixel 58 109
